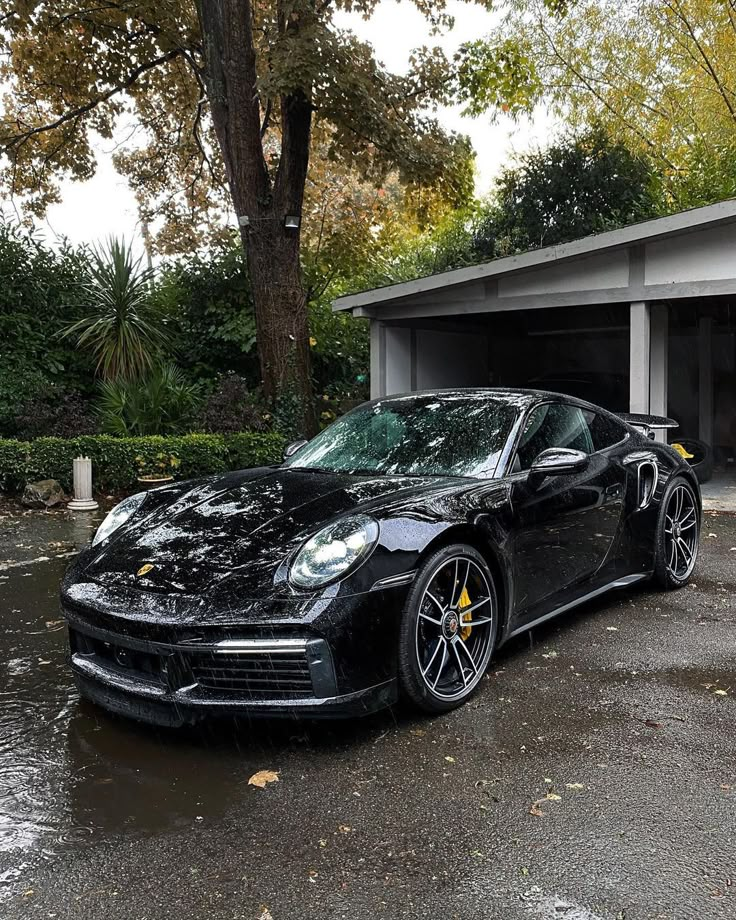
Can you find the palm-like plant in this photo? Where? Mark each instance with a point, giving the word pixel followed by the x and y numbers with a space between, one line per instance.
pixel 124 331
pixel 165 402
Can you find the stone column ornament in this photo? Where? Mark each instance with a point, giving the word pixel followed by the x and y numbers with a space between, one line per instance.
pixel 83 500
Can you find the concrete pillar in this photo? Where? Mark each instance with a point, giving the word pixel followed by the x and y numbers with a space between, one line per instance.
pixel 378 359
pixel 398 360
pixel 639 356
pixel 658 363
pixel 705 379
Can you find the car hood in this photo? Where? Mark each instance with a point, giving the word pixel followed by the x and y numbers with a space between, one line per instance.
pixel 239 526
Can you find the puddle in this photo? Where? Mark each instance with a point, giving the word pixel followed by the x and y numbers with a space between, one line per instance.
pixel 69 773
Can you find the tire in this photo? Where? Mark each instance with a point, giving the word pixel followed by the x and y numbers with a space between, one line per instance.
pixel 444 644
pixel 676 548
pixel 702 461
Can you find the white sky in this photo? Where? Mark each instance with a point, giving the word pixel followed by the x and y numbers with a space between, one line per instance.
pixel 91 211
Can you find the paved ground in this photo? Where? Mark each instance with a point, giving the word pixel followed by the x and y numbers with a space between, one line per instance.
pixel 615 727
pixel 719 494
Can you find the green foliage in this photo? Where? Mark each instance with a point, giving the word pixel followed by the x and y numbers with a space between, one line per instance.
pixel 117 462
pixel 658 74
pixel 162 402
pixel 497 77
pixel 13 458
pixel 123 331
pixel 340 351
pixel 571 189
pixel 250 448
pixel 39 291
pixel 210 306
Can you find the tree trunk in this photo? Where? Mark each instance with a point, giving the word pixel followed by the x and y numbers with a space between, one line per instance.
pixel 281 319
pixel 273 251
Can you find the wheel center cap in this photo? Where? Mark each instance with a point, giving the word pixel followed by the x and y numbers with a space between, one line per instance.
pixel 676 530
pixel 451 624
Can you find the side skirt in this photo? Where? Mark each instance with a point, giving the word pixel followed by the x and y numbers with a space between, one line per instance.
pixel 618 583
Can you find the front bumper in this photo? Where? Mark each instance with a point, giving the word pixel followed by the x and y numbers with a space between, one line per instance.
pixel 340 664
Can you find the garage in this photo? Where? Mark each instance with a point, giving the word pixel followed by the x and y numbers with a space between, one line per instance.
pixel 640 319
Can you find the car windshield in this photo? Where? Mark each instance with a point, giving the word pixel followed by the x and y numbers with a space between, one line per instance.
pixel 430 435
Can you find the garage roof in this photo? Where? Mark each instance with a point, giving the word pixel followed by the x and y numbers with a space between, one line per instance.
pixel 625 238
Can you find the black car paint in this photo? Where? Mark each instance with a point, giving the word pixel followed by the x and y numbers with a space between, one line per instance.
pixel 220 550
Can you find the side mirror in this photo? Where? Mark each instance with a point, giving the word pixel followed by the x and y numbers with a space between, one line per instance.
pixel 292 448
pixel 558 461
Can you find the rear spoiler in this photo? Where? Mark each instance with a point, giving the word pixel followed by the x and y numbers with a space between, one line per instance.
pixel 647 423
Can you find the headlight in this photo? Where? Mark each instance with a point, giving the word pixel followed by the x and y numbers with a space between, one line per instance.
pixel 333 551
pixel 119 515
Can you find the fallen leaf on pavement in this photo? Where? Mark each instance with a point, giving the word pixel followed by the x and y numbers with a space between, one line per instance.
pixel 612 628
pixel 450 759
pixel 536 811
pixel 262 777
pixel 650 723
pixel 553 797
pixel 574 786
pixel 721 692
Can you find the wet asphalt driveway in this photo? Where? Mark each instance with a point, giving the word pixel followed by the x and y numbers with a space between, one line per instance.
pixel 594 776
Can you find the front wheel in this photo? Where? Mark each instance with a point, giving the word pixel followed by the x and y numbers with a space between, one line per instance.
pixel 678 535
pixel 448 629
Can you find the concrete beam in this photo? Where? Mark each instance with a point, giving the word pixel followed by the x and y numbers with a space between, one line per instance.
pixel 592 298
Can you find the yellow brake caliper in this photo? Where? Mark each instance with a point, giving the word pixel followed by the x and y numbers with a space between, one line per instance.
pixel 465 617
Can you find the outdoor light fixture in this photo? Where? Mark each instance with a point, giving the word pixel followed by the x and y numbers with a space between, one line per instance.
pixel 292 221
pixel 243 220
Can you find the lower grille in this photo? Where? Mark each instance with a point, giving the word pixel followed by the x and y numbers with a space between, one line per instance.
pixel 254 674
pixel 245 669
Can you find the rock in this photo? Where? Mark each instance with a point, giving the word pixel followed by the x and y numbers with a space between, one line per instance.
pixel 43 494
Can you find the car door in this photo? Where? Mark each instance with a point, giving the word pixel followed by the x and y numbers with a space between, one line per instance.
pixel 565 525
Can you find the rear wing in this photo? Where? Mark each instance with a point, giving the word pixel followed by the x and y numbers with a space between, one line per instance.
pixel 647 423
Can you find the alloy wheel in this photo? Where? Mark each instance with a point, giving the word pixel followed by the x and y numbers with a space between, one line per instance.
pixel 455 628
pixel 681 532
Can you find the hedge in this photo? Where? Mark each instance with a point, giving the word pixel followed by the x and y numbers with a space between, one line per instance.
pixel 115 461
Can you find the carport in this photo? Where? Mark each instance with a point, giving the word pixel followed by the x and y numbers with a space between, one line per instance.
pixel 642 318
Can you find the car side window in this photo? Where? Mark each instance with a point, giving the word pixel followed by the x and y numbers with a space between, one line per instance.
pixel 553 425
pixel 604 431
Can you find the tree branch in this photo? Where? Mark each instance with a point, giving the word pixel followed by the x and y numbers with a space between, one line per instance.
pixel 17 140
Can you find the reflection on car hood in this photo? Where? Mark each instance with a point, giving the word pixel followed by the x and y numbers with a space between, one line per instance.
pixel 242 524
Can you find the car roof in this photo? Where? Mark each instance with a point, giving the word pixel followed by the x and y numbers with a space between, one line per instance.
pixel 521 397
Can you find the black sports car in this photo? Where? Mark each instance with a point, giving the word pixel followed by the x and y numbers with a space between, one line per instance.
pixel 388 556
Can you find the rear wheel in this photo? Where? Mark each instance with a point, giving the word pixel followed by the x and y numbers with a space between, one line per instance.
pixel 678 535
pixel 448 629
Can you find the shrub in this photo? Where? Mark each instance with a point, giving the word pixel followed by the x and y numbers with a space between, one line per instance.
pixel 13 456
pixel 163 402
pixel 253 449
pixel 54 414
pixel 116 462
pixel 232 408
pixel 201 453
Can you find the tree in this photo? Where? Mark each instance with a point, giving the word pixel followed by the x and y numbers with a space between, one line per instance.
pixel 570 189
pixel 659 75
pixel 577 186
pixel 123 330
pixel 223 98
